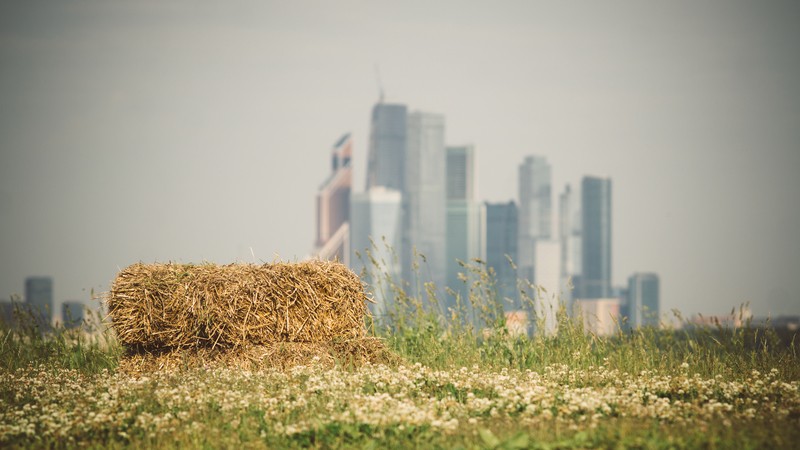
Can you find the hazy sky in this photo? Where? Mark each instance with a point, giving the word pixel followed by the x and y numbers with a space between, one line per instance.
pixel 193 131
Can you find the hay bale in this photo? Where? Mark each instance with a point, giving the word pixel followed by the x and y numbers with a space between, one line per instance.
pixel 276 355
pixel 156 306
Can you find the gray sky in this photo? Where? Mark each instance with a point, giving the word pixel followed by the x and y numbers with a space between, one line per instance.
pixel 186 131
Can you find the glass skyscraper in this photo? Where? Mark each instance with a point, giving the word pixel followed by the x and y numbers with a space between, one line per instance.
pixel 501 249
pixel 595 280
pixel 569 233
pixel 535 211
pixel 425 203
pixel 376 230
pixel 463 218
pixel 387 146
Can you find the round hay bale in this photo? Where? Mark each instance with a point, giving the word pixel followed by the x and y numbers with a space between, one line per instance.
pixel 153 306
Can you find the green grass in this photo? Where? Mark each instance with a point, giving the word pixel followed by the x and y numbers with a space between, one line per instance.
pixel 466 383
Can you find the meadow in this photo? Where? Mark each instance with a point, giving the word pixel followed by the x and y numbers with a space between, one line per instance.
pixel 462 382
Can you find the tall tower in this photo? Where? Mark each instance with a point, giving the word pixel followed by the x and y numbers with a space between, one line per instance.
pixel 464 235
pixel 596 238
pixel 535 211
pixel 425 200
pixel 501 249
pixel 387 146
pixel 376 234
pixel 333 205
pixel 569 233
pixel 39 298
pixel 643 299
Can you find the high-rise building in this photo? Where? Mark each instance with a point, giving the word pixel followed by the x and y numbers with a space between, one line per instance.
pixel 569 233
pixel 333 205
pixel 387 146
pixel 464 236
pixel 535 211
pixel 595 279
pixel 643 299
pixel 376 234
pixel 39 298
pixel 425 203
pixel 501 250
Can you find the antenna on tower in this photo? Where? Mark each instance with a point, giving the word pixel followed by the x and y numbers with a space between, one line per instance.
pixel 380 85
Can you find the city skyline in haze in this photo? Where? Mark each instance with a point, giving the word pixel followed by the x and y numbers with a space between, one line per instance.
pixel 184 131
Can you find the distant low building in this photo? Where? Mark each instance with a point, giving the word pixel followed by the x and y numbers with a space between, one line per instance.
pixel 600 316
pixel 735 319
pixel 7 312
pixel 643 299
pixel 72 313
pixel 39 299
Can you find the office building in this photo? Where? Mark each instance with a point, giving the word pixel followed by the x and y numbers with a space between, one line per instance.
pixel 375 236
pixel 387 147
pixel 595 278
pixel 501 250
pixel 535 211
pixel 643 300
pixel 569 233
pixel 425 203
pixel 464 236
pixel 333 205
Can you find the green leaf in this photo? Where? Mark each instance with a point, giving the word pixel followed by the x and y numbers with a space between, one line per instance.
pixel 519 440
pixel 488 438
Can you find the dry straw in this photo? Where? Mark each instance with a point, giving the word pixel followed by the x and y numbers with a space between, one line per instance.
pixel 171 306
pixel 278 355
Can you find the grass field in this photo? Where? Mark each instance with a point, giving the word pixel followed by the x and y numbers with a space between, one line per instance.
pixel 457 388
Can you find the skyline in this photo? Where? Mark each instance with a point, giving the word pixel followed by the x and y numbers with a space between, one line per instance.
pixel 195 132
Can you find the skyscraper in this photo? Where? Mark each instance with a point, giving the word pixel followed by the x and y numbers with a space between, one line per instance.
pixel 424 201
pixel 501 249
pixel 535 211
pixel 387 146
pixel 39 298
pixel 643 299
pixel 569 233
pixel 596 238
pixel 376 234
pixel 333 205
pixel 464 235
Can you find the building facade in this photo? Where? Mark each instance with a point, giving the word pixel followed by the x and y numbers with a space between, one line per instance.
pixel 535 211
pixel 425 203
pixel 333 205
pixel 569 234
pixel 464 233
pixel 375 235
pixel 643 299
pixel 601 316
pixel 501 250
pixel 387 146
pixel 595 278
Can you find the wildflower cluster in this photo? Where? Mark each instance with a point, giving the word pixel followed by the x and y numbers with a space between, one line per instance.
pixel 41 405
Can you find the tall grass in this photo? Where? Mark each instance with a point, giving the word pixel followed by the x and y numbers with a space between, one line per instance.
pixel 89 347
pixel 474 331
